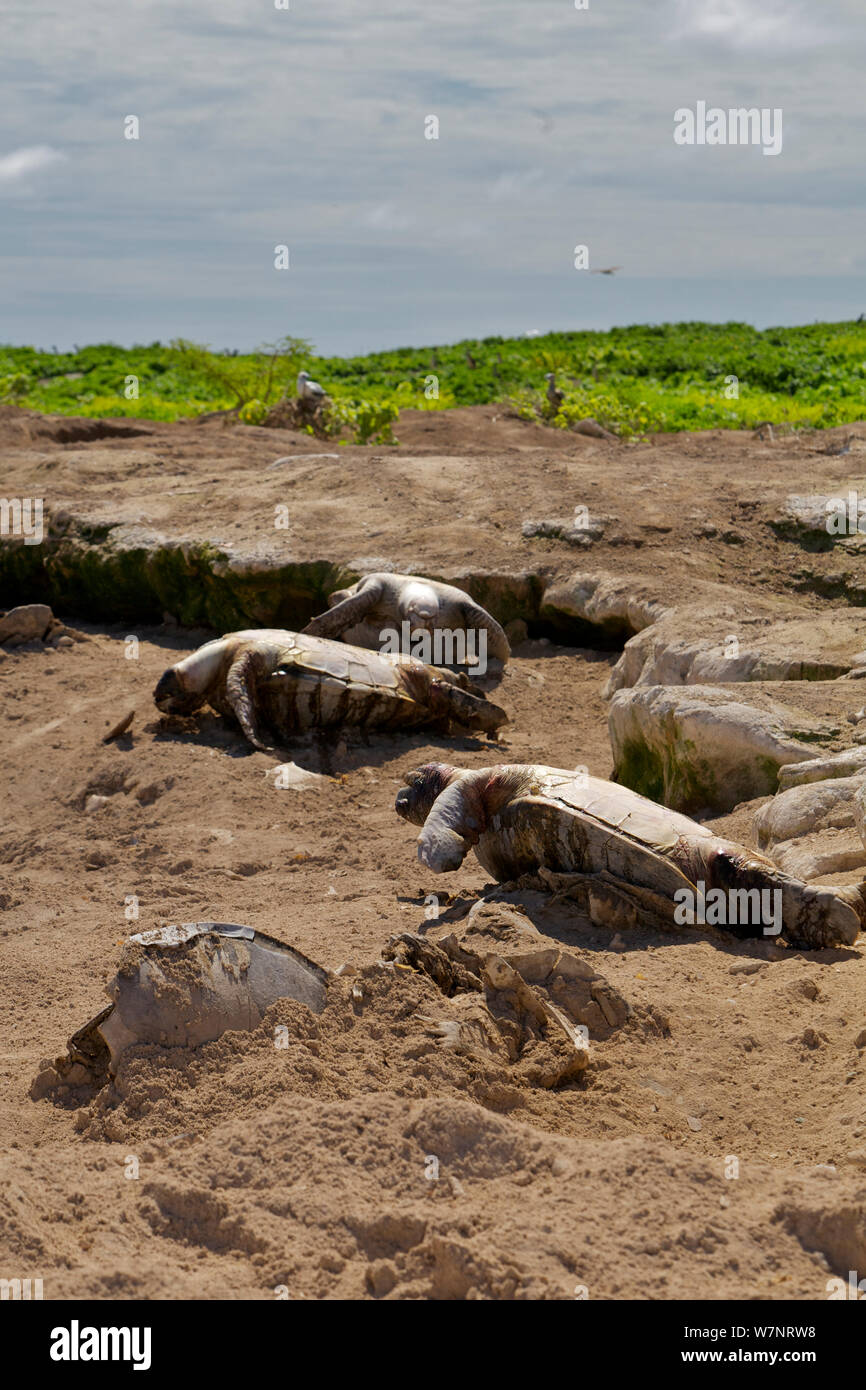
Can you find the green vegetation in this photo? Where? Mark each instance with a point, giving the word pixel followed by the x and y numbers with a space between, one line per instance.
pixel 632 380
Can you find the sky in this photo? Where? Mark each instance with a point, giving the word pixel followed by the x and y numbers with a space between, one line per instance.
pixel 305 127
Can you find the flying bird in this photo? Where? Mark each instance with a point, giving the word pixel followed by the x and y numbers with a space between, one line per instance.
pixel 309 390
pixel 608 270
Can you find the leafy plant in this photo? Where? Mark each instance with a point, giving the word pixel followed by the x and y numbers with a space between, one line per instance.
pixel 263 376
pixel 632 380
pixel 14 387
pixel 370 421
pixel 254 412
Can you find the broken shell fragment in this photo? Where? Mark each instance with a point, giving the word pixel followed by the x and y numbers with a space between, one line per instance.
pixel 181 986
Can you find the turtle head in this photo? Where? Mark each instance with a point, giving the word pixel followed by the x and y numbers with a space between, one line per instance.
pixel 419 605
pixel 415 800
pixel 170 695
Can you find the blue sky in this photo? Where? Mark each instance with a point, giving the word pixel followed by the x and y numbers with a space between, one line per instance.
pixel 305 127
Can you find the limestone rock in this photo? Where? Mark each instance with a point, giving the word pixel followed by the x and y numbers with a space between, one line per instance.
pixel 574 531
pixel 29 623
pixel 816 828
pixel 818 521
pixel 619 605
pixel 706 748
pixel 846 763
pixel 714 633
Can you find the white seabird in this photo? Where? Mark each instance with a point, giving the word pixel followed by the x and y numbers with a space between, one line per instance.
pixel 309 390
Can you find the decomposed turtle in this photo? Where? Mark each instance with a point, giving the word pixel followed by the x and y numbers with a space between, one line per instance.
pixel 631 860
pixel 291 682
pixel 385 601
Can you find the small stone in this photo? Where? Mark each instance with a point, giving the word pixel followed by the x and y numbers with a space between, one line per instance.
pixel 95 803
pixel 746 967
pixel 560 1167
pixel 332 1262
pixel 381 1277
pixel 44 1083
pixel 64 642
pixel 616 943
pixel 694 1123
pixel 119 728
pixel 25 624
pixel 860 1040
pixel 288 776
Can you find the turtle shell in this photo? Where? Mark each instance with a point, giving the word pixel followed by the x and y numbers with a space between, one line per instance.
pixel 577 824
pixel 321 657
pixel 354 665
pixel 317 683
pixel 621 809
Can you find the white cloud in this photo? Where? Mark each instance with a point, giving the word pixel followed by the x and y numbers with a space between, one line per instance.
pixel 514 184
pixel 741 24
pixel 27 160
pixel 388 218
pixel 556 128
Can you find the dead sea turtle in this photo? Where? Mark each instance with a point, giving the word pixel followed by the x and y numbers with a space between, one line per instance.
pixel 386 601
pixel 291 682
pixel 632 860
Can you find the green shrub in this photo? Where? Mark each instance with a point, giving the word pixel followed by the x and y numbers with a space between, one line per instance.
pixel 14 387
pixel 253 413
pixel 635 379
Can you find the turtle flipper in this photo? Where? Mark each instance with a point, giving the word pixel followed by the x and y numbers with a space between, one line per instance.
pixel 477 617
pixel 468 710
pixel 453 826
pixel 346 614
pixel 240 696
pixel 813 916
